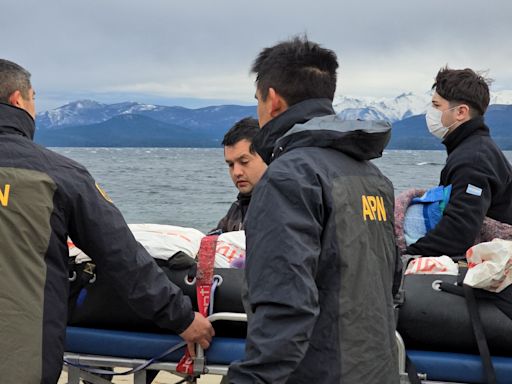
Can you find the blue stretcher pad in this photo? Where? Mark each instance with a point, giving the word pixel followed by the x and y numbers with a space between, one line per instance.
pixel 113 348
pixel 145 346
pixel 88 349
pixel 459 367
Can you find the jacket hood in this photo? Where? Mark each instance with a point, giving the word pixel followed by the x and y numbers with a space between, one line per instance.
pixel 313 123
pixel 265 140
pixel 362 140
pixel 15 120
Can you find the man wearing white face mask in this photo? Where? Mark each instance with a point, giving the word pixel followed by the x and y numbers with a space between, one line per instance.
pixel 480 175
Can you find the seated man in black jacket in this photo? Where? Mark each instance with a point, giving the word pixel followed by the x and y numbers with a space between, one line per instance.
pixel 479 173
pixel 245 168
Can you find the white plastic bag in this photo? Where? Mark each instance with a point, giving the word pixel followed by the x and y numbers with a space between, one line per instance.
pixel 490 265
pixel 164 241
pixel 230 250
pixel 433 265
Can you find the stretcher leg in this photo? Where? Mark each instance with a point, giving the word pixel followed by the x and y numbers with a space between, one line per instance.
pixel 93 379
pixel 401 359
pixel 140 377
pixel 73 375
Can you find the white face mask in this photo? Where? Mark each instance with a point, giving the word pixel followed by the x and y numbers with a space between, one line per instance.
pixel 434 124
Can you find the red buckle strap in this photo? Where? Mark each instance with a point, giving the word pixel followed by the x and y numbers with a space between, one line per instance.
pixel 204 279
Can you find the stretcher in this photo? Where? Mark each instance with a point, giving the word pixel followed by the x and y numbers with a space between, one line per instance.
pixel 90 348
pixel 87 347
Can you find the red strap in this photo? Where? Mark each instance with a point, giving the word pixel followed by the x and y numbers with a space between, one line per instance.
pixel 204 276
pixel 204 279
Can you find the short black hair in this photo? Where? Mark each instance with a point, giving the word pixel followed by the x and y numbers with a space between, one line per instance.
pixel 463 86
pixel 298 69
pixel 245 129
pixel 13 78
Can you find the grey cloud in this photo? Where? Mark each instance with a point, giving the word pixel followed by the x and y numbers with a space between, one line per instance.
pixel 200 48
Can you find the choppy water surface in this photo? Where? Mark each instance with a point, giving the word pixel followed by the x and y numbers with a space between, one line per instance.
pixel 191 186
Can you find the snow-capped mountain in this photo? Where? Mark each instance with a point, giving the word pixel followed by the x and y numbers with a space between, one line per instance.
pixel 396 108
pixel 90 124
pixel 391 109
pixel 87 112
pixel 501 97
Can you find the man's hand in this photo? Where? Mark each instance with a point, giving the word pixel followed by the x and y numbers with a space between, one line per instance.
pixel 199 331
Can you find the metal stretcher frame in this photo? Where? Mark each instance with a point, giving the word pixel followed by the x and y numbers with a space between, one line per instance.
pixel 122 349
pixel 107 348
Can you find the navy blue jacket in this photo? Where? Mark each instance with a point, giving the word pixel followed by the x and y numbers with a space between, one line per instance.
pixel 481 179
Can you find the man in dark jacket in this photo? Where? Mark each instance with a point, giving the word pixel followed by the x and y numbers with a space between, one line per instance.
pixel 477 170
pixel 44 197
pixel 245 168
pixel 320 242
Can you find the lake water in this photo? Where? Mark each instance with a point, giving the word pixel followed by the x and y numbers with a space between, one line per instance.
pixel 191 187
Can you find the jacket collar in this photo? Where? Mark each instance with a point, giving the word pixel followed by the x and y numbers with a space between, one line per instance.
pixel 266 139
pixel 244 198
pixel 14 120
pixel 461 133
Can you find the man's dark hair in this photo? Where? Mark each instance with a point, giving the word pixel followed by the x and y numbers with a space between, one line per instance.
pixel 297 69
pixel 245 129
pixel 13 78
pixel 463 86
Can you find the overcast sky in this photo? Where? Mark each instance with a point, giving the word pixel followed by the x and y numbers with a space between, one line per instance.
pixel 173 52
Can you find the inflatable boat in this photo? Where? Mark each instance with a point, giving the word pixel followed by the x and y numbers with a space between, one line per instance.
pixel 103 332
pixel 434 330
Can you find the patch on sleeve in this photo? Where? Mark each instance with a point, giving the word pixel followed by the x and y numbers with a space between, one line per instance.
pixel 473 190
pixel 103 193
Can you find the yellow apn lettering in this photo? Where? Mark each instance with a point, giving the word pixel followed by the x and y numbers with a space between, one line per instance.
pixel 381 209
pixel 4 195
pixel 373 208
pixel 366 209
pixel 373 204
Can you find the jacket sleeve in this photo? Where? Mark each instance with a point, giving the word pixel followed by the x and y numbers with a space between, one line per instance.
pixel 464 214
pixel 97 227
pixel 283 227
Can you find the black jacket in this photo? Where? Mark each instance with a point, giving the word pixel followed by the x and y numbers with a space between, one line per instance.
pixel 44 198
pixel 234 219
pixel 481 179
pixel 320 254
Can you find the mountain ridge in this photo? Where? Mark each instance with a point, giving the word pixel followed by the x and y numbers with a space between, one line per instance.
pixel 90 123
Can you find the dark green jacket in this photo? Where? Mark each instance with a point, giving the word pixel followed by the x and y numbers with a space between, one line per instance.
pixel 320 254
pixel 44 197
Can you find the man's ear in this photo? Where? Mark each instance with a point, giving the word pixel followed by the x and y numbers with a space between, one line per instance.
pixel 16 99
pixel 277 104
pixel 463 112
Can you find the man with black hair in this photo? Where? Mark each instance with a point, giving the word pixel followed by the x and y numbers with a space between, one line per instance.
pixel 320 242
pixel 245 168
pixel 44 197
pixel 477 170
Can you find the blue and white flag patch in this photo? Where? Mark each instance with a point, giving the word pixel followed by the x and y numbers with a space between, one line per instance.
pixel 473 190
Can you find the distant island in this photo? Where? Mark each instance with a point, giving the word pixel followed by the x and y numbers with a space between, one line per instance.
pixel 88 123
